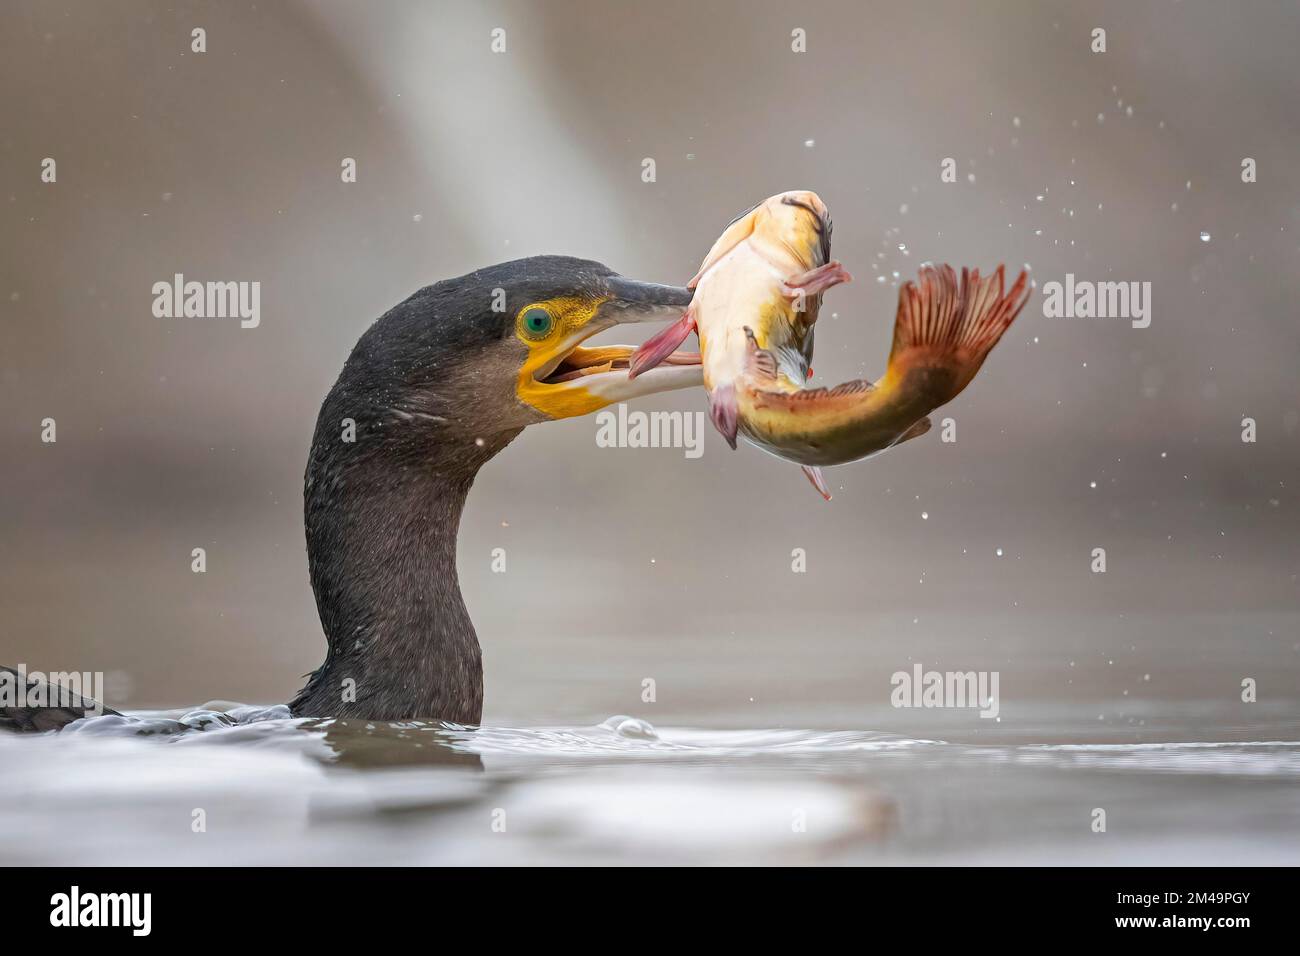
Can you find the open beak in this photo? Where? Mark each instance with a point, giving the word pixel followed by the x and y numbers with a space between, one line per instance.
pixel 574 380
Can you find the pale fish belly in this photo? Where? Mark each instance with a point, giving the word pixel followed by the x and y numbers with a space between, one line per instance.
pixel 742 289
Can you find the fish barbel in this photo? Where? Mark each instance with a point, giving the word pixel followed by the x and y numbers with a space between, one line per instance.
pixel 757 297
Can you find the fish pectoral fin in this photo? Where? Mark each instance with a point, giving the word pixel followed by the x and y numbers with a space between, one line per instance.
pixel 818 480
pixel 815 281
pixel 945 329
pixel 661 345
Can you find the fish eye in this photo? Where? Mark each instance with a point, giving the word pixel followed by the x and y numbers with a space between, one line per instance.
pixel 537 322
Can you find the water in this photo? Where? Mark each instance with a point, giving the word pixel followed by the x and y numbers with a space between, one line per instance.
pixel 270 789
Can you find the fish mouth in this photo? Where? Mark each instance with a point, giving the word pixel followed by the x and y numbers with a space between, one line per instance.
pixel 821 217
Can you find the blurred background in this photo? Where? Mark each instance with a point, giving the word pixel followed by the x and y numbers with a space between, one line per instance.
pixel 633 563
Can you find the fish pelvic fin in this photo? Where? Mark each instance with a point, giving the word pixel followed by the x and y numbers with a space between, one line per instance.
pixel 760 364
pixel 945 329
pixel 725 412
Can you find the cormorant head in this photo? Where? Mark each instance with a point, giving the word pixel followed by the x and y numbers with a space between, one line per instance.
pixel 432 390
pixel 554 304
pixel 502 347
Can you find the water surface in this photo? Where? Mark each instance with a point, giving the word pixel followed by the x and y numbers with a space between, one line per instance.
pixel 269 789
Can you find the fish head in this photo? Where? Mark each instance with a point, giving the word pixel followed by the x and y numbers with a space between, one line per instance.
pixel 793 230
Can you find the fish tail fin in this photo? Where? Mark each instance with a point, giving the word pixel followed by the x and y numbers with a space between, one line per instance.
pixel 945 329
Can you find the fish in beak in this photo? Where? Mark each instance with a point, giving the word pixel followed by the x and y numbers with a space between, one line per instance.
pixel 562 378
pixel 757 297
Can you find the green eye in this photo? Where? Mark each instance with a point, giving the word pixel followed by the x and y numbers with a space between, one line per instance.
pixel 538 322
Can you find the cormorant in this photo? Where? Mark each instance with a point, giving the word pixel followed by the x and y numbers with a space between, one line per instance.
pixel 434 389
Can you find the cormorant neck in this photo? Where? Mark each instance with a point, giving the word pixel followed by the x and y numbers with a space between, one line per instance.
pixel 382 513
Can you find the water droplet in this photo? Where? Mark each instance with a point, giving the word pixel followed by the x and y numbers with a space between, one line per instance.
pixel 1205 236
pixel 810 143
pixel 925 516
pixel 998 552
pixel 631 727
pixel 418 217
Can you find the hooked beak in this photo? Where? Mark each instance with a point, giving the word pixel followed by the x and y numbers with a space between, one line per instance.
pixel 576 381
pixel 652 301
